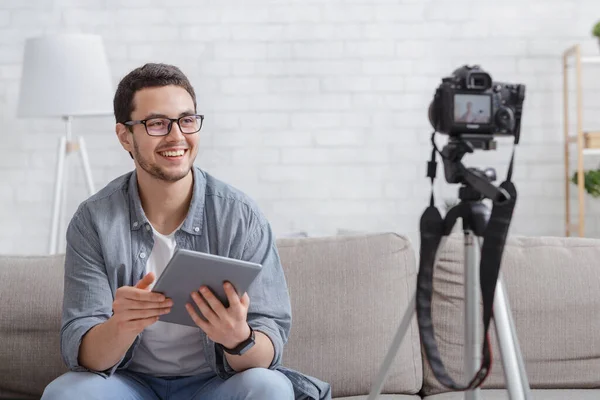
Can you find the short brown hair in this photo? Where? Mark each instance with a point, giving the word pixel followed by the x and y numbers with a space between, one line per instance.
pixel 148 75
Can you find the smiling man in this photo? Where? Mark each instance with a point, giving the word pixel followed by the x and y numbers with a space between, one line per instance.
pixel 122 238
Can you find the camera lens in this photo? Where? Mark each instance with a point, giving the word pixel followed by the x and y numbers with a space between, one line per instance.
pixel 505 118
pixel 521 95
pixel 431 115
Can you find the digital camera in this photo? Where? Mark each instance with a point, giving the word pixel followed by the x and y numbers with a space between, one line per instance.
pixel 469 103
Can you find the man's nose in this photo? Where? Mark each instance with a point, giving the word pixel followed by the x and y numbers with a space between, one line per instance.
pixel 175 134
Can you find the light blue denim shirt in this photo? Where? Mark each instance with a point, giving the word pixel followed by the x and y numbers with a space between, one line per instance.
pixel 109 239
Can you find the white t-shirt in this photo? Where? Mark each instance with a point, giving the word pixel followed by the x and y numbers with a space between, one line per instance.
pixel 167 349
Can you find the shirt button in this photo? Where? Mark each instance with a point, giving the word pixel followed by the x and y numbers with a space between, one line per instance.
pixel 196 229
pixel 142 255
pixel 147 227
pixel 135 224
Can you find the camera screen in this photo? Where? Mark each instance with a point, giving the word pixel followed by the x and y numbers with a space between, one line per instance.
pixel 472 108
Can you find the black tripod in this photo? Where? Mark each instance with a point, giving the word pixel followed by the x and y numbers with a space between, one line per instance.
pixel 475 215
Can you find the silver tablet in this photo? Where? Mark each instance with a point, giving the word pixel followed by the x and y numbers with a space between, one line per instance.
pixel 188 270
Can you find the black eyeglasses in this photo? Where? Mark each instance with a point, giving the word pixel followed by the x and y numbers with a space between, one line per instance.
pixel 162 126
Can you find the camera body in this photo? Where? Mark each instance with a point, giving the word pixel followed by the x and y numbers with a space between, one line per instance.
pixel 469 103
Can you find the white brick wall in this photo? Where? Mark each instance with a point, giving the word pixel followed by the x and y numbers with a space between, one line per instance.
pixel 316 108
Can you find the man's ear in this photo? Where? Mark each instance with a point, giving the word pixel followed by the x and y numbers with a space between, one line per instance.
pixel 125 137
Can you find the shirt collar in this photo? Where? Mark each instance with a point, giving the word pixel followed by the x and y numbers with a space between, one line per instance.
pixel 193 221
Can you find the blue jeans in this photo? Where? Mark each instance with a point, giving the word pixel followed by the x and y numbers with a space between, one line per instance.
pixel 254 383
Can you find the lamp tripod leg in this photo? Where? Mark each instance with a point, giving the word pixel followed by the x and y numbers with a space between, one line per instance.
pixel 64 202
pixel 86 166
pixel 58 188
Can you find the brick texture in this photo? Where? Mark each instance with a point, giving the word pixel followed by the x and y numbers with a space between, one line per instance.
pixel 317 109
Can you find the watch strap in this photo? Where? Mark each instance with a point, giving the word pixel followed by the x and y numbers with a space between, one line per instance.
pixel 243 346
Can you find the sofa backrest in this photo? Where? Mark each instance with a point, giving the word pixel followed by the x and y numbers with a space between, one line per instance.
pixel 30 307
pixel 553 287
pixel 348 295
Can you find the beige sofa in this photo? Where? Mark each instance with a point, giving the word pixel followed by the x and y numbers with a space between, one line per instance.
pixel 348 295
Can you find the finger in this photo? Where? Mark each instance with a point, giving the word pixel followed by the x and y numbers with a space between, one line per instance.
pixel 204 308
pixel 245 300
pixel 146 281
pixel 133 293
pixel 144 305
pixel 143 314
pixel 213 301
pixel 232 296
pixel 202 324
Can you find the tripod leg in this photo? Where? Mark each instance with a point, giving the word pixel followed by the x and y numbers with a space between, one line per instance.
pixel 512 360
pixel 473 330
pixel 58 187
pixel 524 380
pixel 391 354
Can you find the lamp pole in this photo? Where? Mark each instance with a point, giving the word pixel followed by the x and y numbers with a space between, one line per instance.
pixel 66 146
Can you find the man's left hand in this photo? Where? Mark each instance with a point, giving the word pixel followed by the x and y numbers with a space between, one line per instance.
pixel 227 326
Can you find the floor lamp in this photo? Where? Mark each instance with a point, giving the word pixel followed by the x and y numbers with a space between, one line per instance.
pixel 66 76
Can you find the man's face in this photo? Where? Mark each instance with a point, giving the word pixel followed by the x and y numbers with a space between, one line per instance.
pixel 160 156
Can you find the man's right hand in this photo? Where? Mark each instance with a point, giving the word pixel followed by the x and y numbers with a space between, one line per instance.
pixel 136 307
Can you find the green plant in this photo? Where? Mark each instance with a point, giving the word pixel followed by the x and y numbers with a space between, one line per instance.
pixel 591 181
pixel 596 30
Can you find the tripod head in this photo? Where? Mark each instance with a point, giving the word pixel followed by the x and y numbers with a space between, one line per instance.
pixel 476 183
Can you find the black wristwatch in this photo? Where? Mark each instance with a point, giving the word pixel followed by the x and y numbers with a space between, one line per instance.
pixel 242 347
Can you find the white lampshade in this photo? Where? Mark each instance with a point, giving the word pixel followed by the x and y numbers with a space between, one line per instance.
pixel 65 75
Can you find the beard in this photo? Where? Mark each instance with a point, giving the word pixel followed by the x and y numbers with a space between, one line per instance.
pixel 155 170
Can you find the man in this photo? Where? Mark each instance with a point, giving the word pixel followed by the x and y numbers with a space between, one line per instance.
pixel 121 239
pixel 468 115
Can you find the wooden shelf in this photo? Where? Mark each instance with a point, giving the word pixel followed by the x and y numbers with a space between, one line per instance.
pixel 587 142
pixel 590 60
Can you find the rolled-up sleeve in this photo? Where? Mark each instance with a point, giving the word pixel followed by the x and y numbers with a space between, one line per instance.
pixel 270 309
pixel 87 298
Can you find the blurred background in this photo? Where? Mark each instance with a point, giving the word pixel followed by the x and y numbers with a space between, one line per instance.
pixel 316 109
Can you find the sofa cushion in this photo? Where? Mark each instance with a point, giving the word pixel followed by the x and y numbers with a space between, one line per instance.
pixel 348 296
pixel 552 285
pixel 539 394
pixel 31 292
pixel 382 397
pixel 16 396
